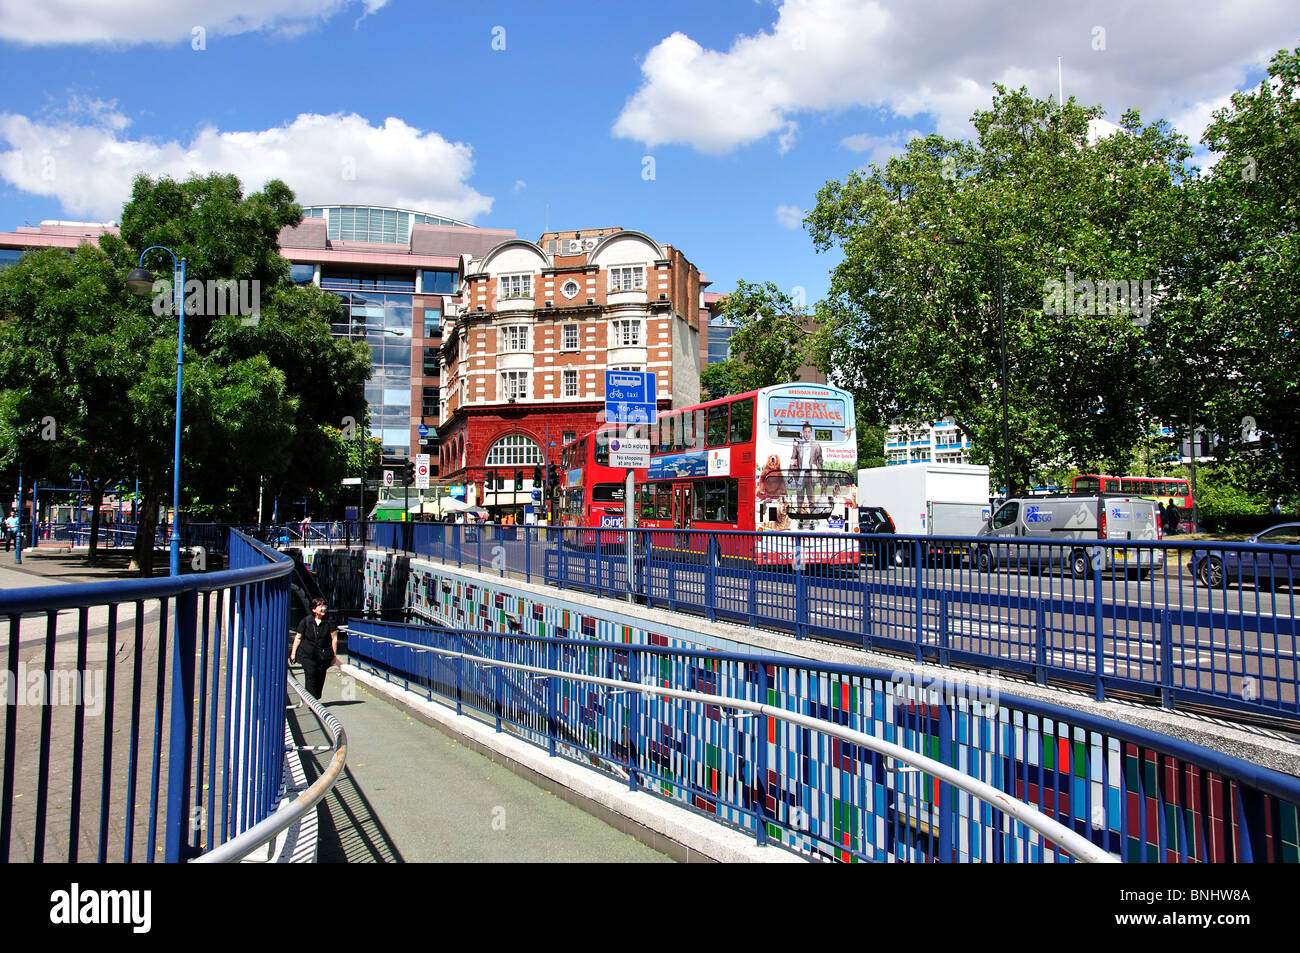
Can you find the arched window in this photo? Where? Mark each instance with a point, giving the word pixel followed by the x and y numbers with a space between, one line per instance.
pixel 513 450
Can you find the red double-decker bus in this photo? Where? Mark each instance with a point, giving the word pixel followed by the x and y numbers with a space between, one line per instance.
pixel 591 491
pixel 777 460
pixel 1174 490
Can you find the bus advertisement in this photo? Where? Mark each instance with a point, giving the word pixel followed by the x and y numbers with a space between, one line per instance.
pixel 779 459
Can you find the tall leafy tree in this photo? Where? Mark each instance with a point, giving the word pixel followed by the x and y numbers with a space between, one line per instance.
pixel 256 392
pixel 1231 339
pixel 911 324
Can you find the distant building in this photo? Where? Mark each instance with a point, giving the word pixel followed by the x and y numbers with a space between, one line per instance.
pixel 524 354
pixel 940 442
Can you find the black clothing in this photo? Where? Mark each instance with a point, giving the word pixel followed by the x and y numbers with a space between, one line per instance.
pixel 315 653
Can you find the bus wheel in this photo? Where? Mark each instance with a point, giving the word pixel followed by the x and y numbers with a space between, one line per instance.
pixel 1079 564
pixel 985 560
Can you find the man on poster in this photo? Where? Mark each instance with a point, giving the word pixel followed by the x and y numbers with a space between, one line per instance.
pixel 805 467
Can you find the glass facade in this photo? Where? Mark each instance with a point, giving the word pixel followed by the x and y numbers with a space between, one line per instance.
pixel 720 332
pixel 302 274
pixel 439 282
pixel 9 255
pixel 366 223
pixel 384 322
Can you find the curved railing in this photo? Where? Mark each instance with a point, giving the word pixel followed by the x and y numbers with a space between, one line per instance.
pixel 813 769
pixel 166 691
pixel 266 830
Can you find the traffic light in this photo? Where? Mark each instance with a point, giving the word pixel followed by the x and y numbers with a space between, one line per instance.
pixel 490 481
pixel 537 477
pixel 519 479
pixel 553 479
pixel 410 473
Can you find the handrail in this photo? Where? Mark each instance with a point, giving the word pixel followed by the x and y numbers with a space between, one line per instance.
pixel 1078 846
pixel 86 594
pixel 238 848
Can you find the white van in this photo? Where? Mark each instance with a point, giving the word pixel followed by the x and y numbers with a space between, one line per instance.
pixel 1063 519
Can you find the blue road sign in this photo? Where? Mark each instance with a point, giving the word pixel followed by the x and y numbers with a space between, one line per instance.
pixel 422 430
pixel 629 387
pixel 622 412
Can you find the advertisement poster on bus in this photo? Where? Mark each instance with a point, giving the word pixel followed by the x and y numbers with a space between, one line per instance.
pixel 805 472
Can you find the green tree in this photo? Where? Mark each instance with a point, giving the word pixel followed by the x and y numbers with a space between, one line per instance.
pixel 1231 340
pixel 768 345
pixel 911 324
pixel 74 346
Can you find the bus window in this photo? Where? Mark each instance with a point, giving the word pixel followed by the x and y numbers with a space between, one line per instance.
pixel 602 447
pixel 665 441
pixel 742 421
pixel 1111 485
pixel 645 494
pixel 717 426
pixel 716 501
pixel 663 501
pixel 696 439
pixel 1086 484
pixel 681 423
pixel 1129 485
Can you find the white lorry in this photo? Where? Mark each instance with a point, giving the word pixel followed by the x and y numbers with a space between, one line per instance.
pixel 930 499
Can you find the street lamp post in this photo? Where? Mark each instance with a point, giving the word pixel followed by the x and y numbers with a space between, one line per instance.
pixel 1002 381
pixel 141 282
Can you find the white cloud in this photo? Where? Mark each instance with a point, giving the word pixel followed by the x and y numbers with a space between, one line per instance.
pixel 129 22
pixel 89 166
pixel 520 185
pixel 790 216
pixel 880 148
pixel 938 59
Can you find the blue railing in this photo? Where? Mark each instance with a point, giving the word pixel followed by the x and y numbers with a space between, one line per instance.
pixel 168 691
pixel 1138 796
pixel 1109 615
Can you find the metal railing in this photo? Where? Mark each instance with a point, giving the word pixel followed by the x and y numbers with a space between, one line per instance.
pixel 268 829
pixel 852 763
pixel 1108 615
pixel 167 692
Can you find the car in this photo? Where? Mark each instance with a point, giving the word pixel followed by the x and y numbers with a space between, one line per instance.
pixel 1215 568
pixel 875 521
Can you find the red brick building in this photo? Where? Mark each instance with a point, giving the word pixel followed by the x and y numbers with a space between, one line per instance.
pixel 524 355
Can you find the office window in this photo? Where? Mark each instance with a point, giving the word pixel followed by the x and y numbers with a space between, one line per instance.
pixel 570 383
pixel 570 337
pixel 516 286
pixel 514 385
pixel 302 274
pixel 430 362
pixel 438 282
pixel 429 402
pixel 514 337
pixel 626 334
pixel 627 279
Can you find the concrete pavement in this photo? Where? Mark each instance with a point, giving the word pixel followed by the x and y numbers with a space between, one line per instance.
pixel 411 793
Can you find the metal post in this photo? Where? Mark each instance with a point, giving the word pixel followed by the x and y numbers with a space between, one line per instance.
pixel 18 532
pixel 1191 450
pixel 1006 433
pixel 629 481
pixel 179 295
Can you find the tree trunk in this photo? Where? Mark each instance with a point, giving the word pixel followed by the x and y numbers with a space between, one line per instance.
pixel 146 524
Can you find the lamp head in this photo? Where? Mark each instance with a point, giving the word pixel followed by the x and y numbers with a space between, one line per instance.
pixel 140 281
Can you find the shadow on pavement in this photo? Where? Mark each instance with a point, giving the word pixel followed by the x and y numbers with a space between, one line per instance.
pixel 349 830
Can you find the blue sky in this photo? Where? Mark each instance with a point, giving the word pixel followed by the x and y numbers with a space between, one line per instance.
pixel 491 111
